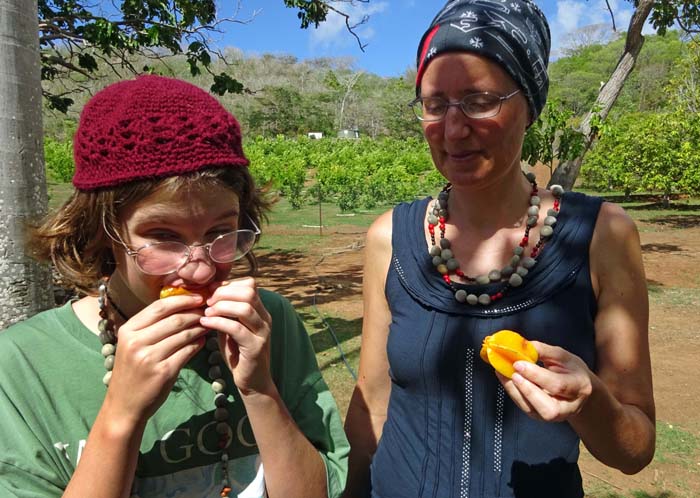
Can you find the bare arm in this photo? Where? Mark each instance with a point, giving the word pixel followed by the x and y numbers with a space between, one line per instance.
pixel 293 466
pixel 611 409
pixel 617 423
pixel 367 411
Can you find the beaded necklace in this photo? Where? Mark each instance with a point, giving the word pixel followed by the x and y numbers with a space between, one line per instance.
pixel 514 272
pixel 108 338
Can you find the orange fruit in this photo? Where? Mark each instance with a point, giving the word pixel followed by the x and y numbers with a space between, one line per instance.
pixel 504 348
pixel 168 291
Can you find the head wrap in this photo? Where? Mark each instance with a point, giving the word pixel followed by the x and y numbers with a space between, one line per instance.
pixel 514 34
pixel 152 127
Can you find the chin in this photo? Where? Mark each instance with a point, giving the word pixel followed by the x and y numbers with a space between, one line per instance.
pixel 458 174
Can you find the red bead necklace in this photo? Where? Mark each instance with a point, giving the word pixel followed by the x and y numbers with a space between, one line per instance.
pixel 514 272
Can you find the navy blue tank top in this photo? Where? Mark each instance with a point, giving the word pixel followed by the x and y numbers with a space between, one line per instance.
pixel 451 431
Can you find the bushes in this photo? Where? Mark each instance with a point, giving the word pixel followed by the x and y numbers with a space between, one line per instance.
pixel 353 174
pixel 58 157
pixel 656 152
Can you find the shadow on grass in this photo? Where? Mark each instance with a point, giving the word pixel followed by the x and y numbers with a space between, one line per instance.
pixel 288 273
pixel 647 198
pixel 660 494
pixel 685 220
pixel 344 330
pixel 654 285
pixel 661 248
pixel 660 206
pixel 634 494
pixel 679 221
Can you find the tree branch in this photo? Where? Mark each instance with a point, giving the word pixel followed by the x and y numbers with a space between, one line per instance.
pixel 612 16
pixel 351 27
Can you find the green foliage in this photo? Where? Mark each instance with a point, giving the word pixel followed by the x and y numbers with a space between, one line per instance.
pixel 655 152
pixel 352 174
pixel 77 39
pixel 310 11
pixel 576 79
pixel 58 157
pixel 552 138
pixel 668 13
pixel 684 84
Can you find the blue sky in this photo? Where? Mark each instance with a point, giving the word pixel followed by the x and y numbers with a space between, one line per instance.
pixel 391 34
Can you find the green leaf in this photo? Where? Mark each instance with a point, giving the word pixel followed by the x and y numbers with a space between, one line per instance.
pixel 223 83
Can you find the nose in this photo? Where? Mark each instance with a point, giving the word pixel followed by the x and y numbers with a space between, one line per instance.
pixel 199 267
pixel 456 123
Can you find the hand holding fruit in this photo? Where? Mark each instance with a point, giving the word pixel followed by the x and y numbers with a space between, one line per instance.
pixel 153 347
pixel 554 392
pixel 244 325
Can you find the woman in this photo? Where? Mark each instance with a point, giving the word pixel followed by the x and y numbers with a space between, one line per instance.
pixel 212 390
pixel 495 251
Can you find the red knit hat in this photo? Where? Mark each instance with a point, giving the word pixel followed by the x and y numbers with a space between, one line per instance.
pixel 151 127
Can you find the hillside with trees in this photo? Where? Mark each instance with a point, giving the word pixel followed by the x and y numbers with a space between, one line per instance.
pixel 285 99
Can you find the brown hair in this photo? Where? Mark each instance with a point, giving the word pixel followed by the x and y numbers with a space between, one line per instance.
pixel 73 238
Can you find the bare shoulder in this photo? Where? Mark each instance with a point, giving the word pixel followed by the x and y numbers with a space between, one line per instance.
pixel 615 238
pixel 613 221
pixel 379 233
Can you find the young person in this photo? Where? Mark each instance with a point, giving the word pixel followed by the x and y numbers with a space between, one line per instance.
pixel 211 391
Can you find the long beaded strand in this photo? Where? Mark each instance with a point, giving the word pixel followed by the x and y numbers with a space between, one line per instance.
pixel 519 265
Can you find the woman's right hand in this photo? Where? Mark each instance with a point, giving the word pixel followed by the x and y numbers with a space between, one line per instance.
pixel 152 348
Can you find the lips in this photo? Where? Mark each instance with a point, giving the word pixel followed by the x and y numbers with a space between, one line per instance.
pixel 462 155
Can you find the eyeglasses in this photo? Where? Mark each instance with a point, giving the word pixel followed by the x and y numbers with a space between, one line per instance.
pixel 480 105
pixel 163 258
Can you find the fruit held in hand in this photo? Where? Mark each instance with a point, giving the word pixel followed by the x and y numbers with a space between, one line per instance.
pixel 504 348
pixel 168 291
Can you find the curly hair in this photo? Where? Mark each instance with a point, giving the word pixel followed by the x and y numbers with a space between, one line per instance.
pixel 74 240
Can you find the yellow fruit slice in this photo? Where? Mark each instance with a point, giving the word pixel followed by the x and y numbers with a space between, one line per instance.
pixel 504 348
pixel 169 290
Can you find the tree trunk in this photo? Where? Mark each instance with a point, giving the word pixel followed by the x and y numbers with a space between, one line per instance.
pixel 25 285
pixel 567 172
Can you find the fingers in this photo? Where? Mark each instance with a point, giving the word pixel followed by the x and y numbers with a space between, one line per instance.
pixel 162 329
pixel 162 308
pixel 234 314
pixel 555 382
pixel 518 398
pixel 185 353
pixel 552 394
pixel 234 304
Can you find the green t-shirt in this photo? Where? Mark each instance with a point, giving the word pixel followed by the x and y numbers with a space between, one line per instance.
pixel 51 390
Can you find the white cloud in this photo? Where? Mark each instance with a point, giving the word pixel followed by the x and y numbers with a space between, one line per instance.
pixel 333 31
pixel 575 14
pixel 569 14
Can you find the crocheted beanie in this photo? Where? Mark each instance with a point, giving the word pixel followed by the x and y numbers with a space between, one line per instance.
pixel 152 127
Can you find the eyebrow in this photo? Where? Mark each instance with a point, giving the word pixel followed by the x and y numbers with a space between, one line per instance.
pixel 165 218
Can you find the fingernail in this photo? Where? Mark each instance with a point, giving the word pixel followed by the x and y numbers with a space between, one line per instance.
pixel 517 378
pixel 520 366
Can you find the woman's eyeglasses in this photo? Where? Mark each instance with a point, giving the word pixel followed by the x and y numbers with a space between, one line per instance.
pixel 480 105
pixel 162 258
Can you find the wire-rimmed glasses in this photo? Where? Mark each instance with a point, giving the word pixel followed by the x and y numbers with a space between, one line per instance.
pixel 163 258
pixel 479 105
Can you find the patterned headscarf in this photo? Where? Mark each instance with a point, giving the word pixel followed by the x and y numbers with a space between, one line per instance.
pixel 512 33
